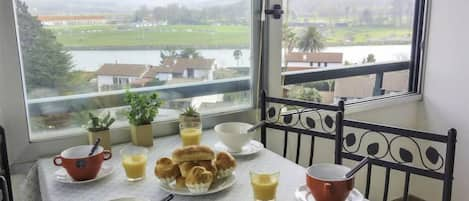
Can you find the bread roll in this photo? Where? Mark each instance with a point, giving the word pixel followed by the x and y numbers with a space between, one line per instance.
pixel 165 168
pixel 193 153
pixel 208 165
pixel 185 167
pixel 180 182
pixel 199 175
pixel 225 161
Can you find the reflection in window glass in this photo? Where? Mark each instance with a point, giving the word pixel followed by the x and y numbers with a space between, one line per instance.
pixel 78 49
pixel 327 34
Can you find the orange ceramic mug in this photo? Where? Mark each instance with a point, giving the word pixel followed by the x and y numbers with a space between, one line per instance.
pixel 79 165
pixel 327 182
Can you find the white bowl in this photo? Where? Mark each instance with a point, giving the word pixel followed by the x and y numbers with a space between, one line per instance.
pixel 234 135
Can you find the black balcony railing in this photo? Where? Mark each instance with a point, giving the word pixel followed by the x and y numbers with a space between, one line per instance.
pixel 90 101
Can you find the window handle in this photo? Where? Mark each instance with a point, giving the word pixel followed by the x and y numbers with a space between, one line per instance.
pixel 4 188
pixel 276 11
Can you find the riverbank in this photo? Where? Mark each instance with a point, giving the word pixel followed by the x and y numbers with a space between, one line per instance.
pixel 126 37
pixel 137 48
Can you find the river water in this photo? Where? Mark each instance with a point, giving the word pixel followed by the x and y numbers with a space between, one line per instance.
pixel 91 60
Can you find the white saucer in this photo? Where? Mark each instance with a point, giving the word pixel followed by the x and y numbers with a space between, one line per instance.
pixel 302 193
pixel 217 186
pixel 62 176
pixel 251 148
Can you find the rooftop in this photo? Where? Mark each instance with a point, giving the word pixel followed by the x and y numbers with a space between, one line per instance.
pixel 130 70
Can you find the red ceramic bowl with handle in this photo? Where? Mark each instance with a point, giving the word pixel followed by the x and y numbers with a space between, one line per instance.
pixel 79 165
pixel 327 182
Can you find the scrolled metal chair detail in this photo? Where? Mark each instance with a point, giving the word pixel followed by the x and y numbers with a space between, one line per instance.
pixel 301 119
pixel 384 148
pixel 305 118
pixel 405 156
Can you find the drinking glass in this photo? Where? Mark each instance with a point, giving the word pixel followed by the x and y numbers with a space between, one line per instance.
pixel 264 185
pixel 134 160
pixel 190 132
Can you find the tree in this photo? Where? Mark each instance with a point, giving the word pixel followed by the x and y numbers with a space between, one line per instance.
pixel 289 38
pixel 189 53
pixel 304 93
pixel 237 54
pixel 311 41
pixel 366 17
pixel 141 13
pixel 369 59
pixel 45 62
pixel 167 52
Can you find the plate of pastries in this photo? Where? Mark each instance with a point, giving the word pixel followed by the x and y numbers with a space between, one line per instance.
pixel 196 170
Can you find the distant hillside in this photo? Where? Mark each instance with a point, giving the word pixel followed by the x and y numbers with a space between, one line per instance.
pixel 79 7
pixel 345 7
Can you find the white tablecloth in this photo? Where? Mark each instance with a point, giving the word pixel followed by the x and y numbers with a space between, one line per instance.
pixel 116 185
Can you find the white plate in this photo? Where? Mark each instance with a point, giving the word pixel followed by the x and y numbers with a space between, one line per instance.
pixel 130 199
pixel 62 176
pixel 251 148
pixel 219 185
pixel 302 193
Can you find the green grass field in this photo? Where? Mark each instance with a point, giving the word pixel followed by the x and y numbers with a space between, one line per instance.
pixel 369 35
pixel 205 36
pixel 199 36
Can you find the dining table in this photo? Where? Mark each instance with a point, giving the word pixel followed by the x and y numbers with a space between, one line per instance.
pixel 116 185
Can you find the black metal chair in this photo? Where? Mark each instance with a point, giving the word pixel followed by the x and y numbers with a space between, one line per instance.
pixel 436 167
pixel 297 121
pixel 5 179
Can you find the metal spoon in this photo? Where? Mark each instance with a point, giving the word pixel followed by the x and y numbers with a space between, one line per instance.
pixel 95 146
pixel 168 197
pixel 253 128
pixel 357 167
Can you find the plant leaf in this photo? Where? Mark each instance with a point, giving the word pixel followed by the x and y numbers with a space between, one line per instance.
pixel 287 118
pixel 432 154
pixel 350 139
pixel 310 122
pixel 406 155
pixel 329 121
pixel 373 149
pixel 271 112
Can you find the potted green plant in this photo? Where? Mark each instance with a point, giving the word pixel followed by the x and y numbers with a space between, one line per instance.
pixel 190 114
pixel 143 110
pixel 190 126
pixel 98 127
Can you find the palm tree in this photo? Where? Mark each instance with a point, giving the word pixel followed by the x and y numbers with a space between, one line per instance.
pixel 311 41
pixel 289 38
pixel 237 54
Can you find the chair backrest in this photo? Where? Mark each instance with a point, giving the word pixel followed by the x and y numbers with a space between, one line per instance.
pixel 301 118
pixel 431 164
pixel 5 179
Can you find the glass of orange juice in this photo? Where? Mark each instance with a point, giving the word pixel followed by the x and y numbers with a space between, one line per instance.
pixel 264 185
pixel 191 133
pixel 134 160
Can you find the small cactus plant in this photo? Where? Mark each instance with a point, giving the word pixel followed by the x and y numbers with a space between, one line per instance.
pixel 97 123
pixel 190 111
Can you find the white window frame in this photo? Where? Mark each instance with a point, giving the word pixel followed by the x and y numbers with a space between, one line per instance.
pixel 13 104
pixel 13 107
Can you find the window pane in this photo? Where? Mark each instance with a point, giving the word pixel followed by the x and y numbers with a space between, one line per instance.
pixel 322 34
pixel 78 51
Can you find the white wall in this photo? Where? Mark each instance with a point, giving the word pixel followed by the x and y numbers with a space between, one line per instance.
pixel 104 80
pixel 164 76
pixel 446 96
